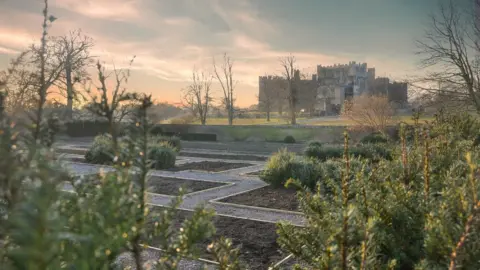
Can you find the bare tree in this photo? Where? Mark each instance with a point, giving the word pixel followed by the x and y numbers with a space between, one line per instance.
pixel 110 103
pixel 74 57
pixel 372 113
pixel 451 45
pixel 20 86
pixel 225 78
pixel 288 66
pixel 198 95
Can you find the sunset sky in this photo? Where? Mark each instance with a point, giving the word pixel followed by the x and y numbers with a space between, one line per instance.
pixel 170 37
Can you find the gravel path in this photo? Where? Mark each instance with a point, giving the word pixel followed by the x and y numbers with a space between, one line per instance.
pixel 237 184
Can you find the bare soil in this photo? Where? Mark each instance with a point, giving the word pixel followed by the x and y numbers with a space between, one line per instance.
pixel 168 186
pixel 268 197
pixel 209 166
pixel 171 186
pixel 224 156
pixel 256 240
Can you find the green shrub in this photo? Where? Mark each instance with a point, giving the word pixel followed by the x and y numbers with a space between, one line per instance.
pixel 374 138
pixel 289 139
pixel 315 144
pixel 101 151
pixel 368 151
pixel 323 153
pixel 156 130
pixel 285 165
pixel 162 156
pixel 173 141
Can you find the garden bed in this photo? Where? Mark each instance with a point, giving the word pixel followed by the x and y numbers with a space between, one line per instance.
pixel 224 156
pixel 209 166
pixel 166 185
pixel 268 197
pixel 256 240
pixel 171 186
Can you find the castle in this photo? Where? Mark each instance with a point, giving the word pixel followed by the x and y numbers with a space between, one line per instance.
pixel 325 92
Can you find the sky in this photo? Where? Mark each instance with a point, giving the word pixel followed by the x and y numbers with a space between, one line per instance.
pixel 171 37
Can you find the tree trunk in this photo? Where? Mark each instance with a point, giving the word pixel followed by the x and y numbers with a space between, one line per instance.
pixel 230 112
pixel 68 75
pixel 293 117
pixel 113 133
pixel 268 115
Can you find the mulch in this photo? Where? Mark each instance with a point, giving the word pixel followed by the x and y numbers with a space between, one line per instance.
pixel 209 166
pixel 171 186
pixel 268 197
pixel 224 156
pixel 256 240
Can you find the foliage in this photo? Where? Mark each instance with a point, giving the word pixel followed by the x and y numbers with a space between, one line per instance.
pixel 162 156
pixel 81 128
pixel 285 165
pixel 173 141
pixel 156 130
pixel 369 151
pixel 289 139
pixel 315 144
pixel 92 221
pixel 418 210
pixel 374 138
pixel 101 151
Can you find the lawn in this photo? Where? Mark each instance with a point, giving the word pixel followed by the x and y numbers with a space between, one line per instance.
pixel 245 121
pixel 347 122
pixel 303 121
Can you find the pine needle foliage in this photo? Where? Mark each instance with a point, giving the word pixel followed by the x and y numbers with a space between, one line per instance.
pixel 419 210
pixel 51 219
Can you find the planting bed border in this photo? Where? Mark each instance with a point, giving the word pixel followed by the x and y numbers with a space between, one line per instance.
pixel 252 196
pixel 229 156
pixel 235 230
pixel 230 165
pixel 173 191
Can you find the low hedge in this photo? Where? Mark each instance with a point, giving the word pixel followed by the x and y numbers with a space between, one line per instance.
pixel 374 138
pixel 289 139
pixel 173 141
pixel 162 156
pixel 162 153
pixel 101 151
pixel 91 128
pixel 285 165
pixel 368 151
pixel 204 137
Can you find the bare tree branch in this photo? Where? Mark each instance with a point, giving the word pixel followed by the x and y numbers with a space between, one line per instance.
pixel 198 95
pixel 288 64
pixel 224 75
pixel 451 46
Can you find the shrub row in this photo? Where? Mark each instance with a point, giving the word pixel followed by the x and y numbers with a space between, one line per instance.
pixel 86 128
pixel 370 151
pixel 162 152
pixel 285 165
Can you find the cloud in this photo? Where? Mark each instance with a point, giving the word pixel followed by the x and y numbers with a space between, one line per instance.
pixel 8 51
pixel 170 37
pixel 119 10
pixel 15 39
